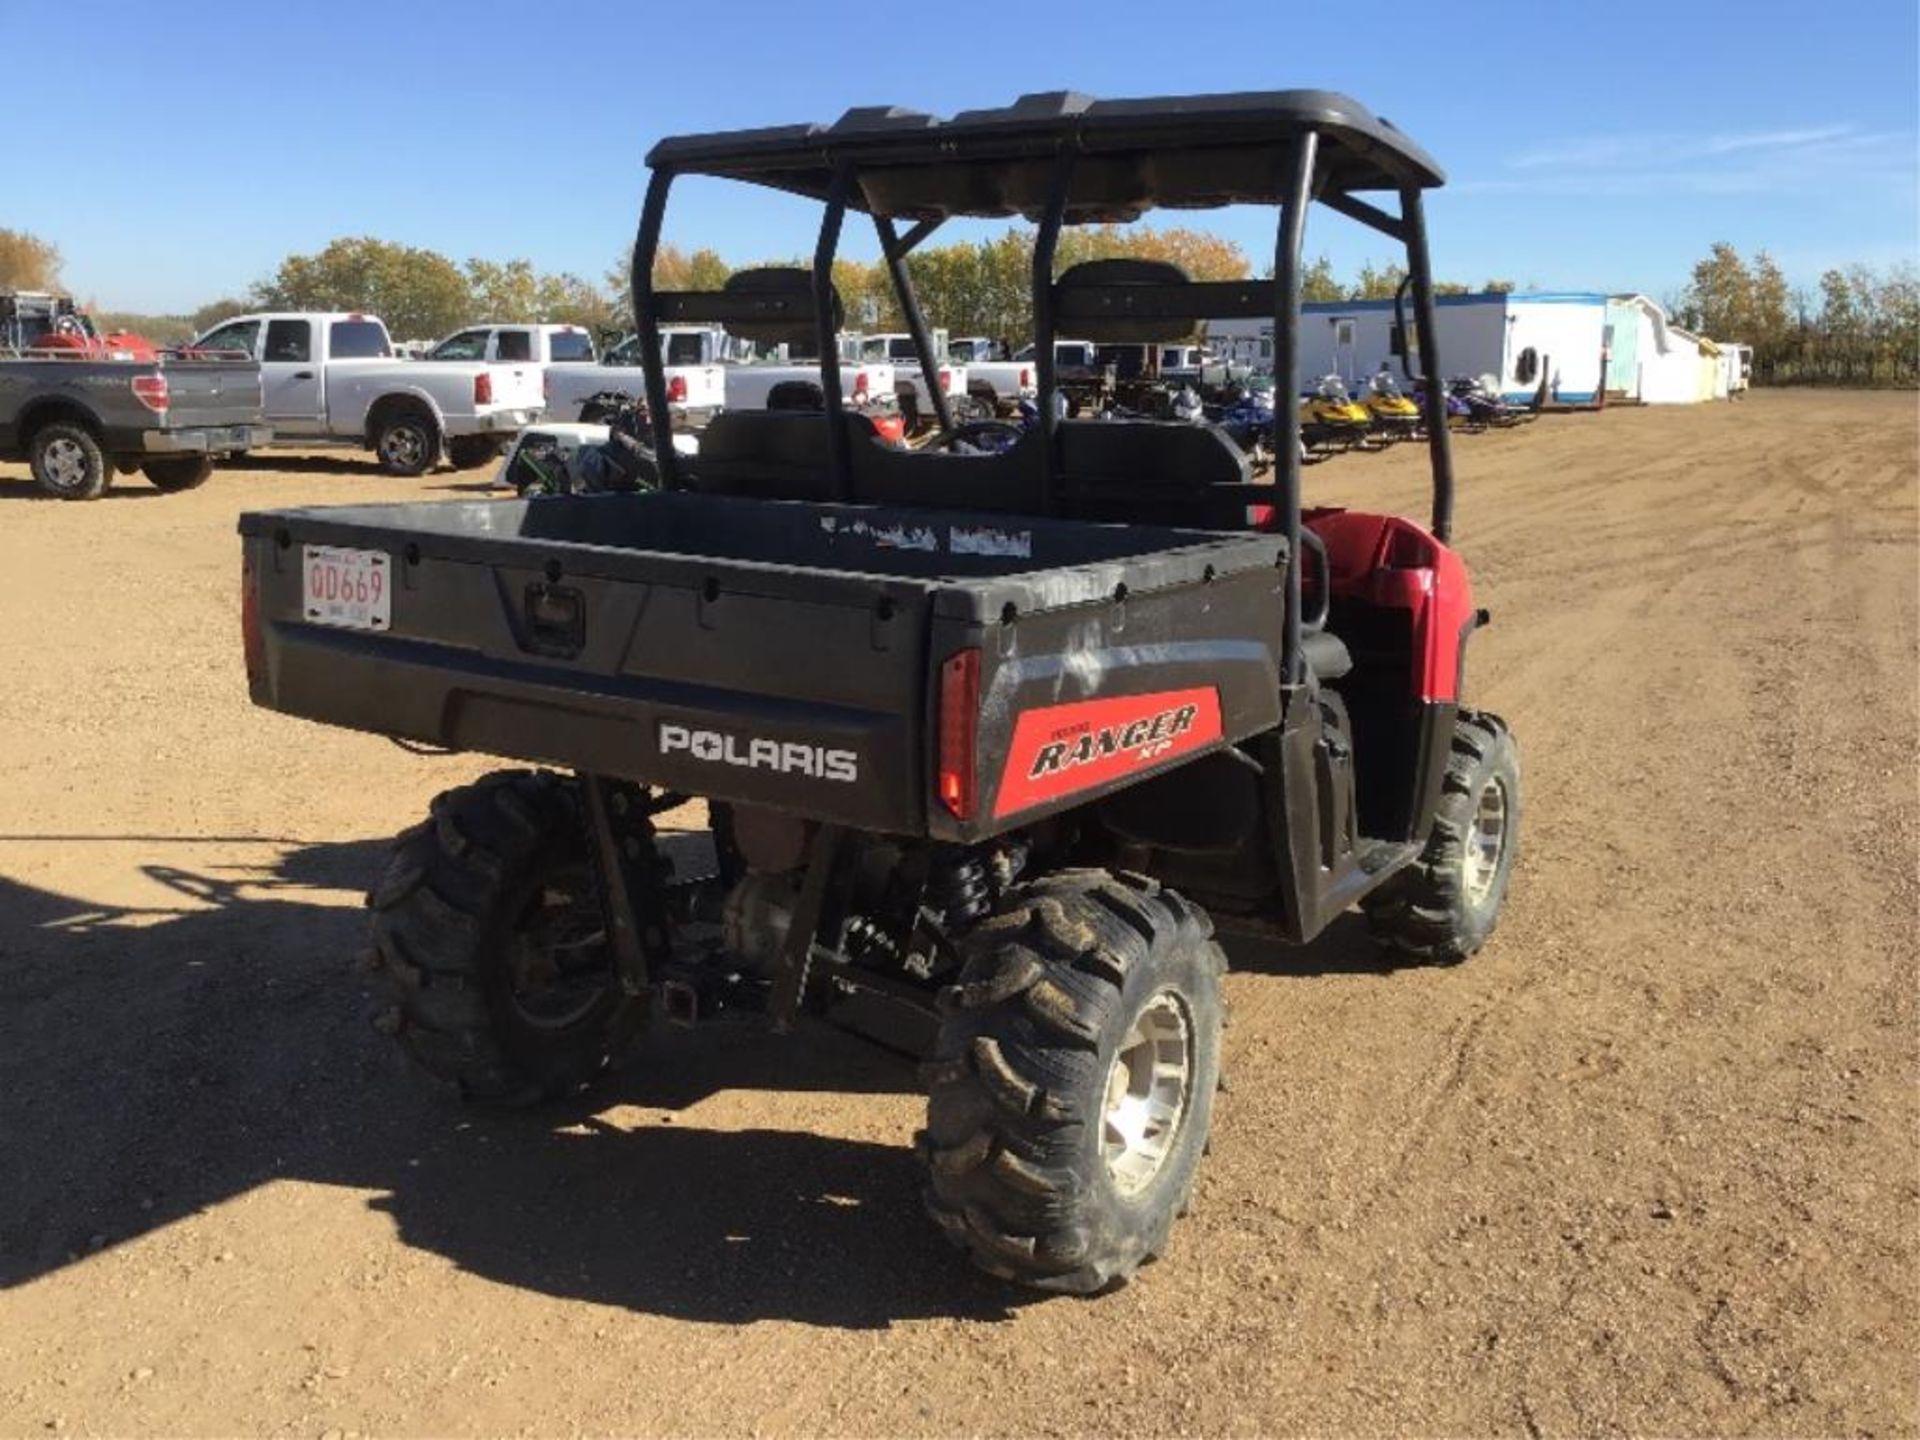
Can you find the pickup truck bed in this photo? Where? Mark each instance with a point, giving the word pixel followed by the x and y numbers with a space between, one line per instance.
pixel 787 654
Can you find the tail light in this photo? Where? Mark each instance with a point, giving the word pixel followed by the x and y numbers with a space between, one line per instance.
pixel 946 381
pixel 546 385
pixel 151 391
pixel 1026 379
pixel 483 389
pixel 676 389
pixel 253 643
pixel 959 725
pixel 860 385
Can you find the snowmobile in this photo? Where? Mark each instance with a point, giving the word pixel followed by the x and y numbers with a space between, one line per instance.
pixel 1394 416
pixel 1330 418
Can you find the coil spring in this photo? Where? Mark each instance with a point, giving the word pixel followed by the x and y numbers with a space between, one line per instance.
pixel 961 891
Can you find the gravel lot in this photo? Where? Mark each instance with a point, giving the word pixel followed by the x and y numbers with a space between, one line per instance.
pixel 1649 1163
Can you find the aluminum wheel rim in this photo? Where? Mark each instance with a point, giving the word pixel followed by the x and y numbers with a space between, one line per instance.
pixel 403 445
pixel 1485 842
pixel 560 964
pixel 1147 1089
pixel 65 464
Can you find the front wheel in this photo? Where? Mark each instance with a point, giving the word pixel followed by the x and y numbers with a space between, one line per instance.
pixel 1443 906
pixel 1071 1087
pixel 177 473
pixel 489 929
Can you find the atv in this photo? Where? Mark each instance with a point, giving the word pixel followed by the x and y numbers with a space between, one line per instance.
pixel 993 736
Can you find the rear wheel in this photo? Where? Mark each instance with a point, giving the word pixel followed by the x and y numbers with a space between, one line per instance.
pixel 66 461
pixel 407 442
pixel 489 930
pixel 176 473
pixel 1071 1088
pixel 469 452
pixel 1445 905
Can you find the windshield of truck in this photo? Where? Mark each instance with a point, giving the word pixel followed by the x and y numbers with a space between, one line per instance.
pixel 467 345
pixel 1129 362
pixel 238 336
pixel 572 345
pixel 627 352
pixel 357 340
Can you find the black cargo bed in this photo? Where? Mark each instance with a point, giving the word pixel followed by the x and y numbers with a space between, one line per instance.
pixel 813 629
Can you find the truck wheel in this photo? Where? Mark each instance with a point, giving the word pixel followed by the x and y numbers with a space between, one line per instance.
pixel 408 442
pixel 178 473
pixel 66 460
pixel 1071 1087
pixel 470 452
pixel 1445 905
pixel 488 928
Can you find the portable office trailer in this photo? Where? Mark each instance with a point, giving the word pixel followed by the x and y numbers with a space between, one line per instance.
pixel 1515 338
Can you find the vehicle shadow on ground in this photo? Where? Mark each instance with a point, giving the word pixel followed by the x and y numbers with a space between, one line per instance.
pixel 124 487
pixel 1343 948
pixel 157 1061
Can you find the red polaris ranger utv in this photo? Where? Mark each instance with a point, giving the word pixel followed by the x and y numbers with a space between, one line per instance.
pixel 990 734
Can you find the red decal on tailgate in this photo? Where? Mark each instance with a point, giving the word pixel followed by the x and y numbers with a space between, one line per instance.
pixel 1064 748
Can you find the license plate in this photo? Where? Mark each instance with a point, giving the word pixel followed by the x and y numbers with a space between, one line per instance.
pixel 348 588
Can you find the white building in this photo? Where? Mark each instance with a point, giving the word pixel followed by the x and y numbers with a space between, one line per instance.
pixel 1515 338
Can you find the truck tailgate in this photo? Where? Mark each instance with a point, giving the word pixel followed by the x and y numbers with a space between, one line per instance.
pixel 772 653
pixel 518 387
pixel 211 393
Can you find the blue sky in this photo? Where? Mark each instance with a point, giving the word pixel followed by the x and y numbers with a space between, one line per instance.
pixel 176 152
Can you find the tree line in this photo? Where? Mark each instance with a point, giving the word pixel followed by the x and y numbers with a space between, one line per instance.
pixel 1861 328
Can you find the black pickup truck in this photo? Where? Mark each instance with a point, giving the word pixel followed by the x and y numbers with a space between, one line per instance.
pixel 990 733
pixel 77 419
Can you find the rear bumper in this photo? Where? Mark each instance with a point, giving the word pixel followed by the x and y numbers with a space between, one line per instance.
pixel 499 421
pixel 203 439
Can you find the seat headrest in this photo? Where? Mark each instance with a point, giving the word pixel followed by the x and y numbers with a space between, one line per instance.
pixel 1121 328
pixel 783 295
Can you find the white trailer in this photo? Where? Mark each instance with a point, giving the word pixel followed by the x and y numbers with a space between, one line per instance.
pixel 1515 338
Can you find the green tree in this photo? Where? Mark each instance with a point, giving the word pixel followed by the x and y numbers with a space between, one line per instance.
pixel 1719 297
pixel 419 293
pixel 214 311
pixel 1377 284
pixel 27 262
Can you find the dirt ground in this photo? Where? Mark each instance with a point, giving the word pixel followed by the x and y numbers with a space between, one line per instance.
pixel 1650 1163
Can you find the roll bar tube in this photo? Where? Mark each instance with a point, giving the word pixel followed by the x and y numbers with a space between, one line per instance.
pixel 1286 362
pixel 896 250
pixel 1045 245
pixel 646 324
pixel 1433 399
pixel 839 456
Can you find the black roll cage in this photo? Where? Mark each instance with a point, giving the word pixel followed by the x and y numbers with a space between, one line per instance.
pixel 1306 175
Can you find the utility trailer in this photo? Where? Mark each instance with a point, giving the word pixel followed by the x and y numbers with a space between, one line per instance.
pixel 988 736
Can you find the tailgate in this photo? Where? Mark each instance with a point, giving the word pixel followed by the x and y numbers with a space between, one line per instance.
pixel 798 690
pixel 202 393
pixel 516 387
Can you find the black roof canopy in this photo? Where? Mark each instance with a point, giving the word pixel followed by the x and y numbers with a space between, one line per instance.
pixel 1177 151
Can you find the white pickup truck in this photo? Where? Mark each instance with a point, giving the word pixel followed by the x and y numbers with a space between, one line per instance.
pixel 993 380
pixel 696 386
pixel 910 383
pixel 331 378
pixel 861 383
pixel 518 345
